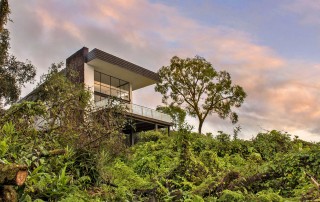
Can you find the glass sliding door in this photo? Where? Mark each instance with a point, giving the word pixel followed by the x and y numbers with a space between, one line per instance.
pixel 105 85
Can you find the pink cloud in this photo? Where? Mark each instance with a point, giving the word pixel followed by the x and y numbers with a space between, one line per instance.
pixel 281 94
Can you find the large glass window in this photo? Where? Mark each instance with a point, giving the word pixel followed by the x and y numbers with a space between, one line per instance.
pixel 105 85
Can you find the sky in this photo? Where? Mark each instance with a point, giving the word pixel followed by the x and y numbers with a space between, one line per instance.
pixel 271 48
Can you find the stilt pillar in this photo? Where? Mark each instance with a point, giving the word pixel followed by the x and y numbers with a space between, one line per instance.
pixel 131 138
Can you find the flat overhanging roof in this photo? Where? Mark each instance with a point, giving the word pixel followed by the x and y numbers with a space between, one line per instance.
pixel 109 64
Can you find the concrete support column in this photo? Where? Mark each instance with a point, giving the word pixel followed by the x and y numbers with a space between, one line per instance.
pixel 131 138
pixel 156 127
pixel 130 92
pixel 168 130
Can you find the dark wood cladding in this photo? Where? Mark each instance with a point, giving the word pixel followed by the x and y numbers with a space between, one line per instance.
pixel 98 54
pixel 76 62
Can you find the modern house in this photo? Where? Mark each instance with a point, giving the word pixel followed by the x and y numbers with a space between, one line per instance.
pixel 109 76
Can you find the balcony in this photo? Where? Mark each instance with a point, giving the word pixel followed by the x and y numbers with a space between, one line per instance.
pixel 141 111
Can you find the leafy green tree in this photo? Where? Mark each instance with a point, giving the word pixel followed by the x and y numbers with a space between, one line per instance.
pixel 72 115
pixel 177 115
pixel 4 14
pixel 196 85
pixel 13 73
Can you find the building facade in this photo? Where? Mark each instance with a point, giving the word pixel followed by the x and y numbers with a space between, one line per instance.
pixel 109 76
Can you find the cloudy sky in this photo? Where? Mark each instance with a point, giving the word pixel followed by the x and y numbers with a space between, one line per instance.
pixel 270 47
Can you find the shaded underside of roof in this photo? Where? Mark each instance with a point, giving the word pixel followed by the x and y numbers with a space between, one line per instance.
pixel 101 55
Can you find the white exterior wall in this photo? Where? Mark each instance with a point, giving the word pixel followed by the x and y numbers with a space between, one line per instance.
pixel 89 78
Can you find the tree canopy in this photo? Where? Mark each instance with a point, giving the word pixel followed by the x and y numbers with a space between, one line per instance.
pixel 194 84
pixel 13 73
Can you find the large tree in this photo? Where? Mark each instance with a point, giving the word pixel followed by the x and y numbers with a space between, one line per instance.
pixel 195 85
pixel 13 73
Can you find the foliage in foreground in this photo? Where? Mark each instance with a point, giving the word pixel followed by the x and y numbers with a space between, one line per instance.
pixel 179 167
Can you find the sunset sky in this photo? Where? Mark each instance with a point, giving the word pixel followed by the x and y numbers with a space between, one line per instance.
pixel 270 47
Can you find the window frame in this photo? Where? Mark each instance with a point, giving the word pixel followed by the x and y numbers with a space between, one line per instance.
pixel 119 90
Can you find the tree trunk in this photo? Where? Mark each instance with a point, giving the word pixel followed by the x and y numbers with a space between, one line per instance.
pixel 13 174
pixel 1 21
pixel 3 13
pixel 8 194
pixel 200 126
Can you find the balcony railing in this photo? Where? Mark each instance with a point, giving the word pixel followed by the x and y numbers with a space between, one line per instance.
pixel 141 111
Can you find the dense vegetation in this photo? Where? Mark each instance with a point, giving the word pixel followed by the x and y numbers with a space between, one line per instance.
pixel 97 165
pixel 180 167
pixel 75 152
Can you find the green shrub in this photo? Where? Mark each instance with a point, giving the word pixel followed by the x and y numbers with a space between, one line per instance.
pixel 230 196
pixel 271 143
pixel 269 196
pixel 150 136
